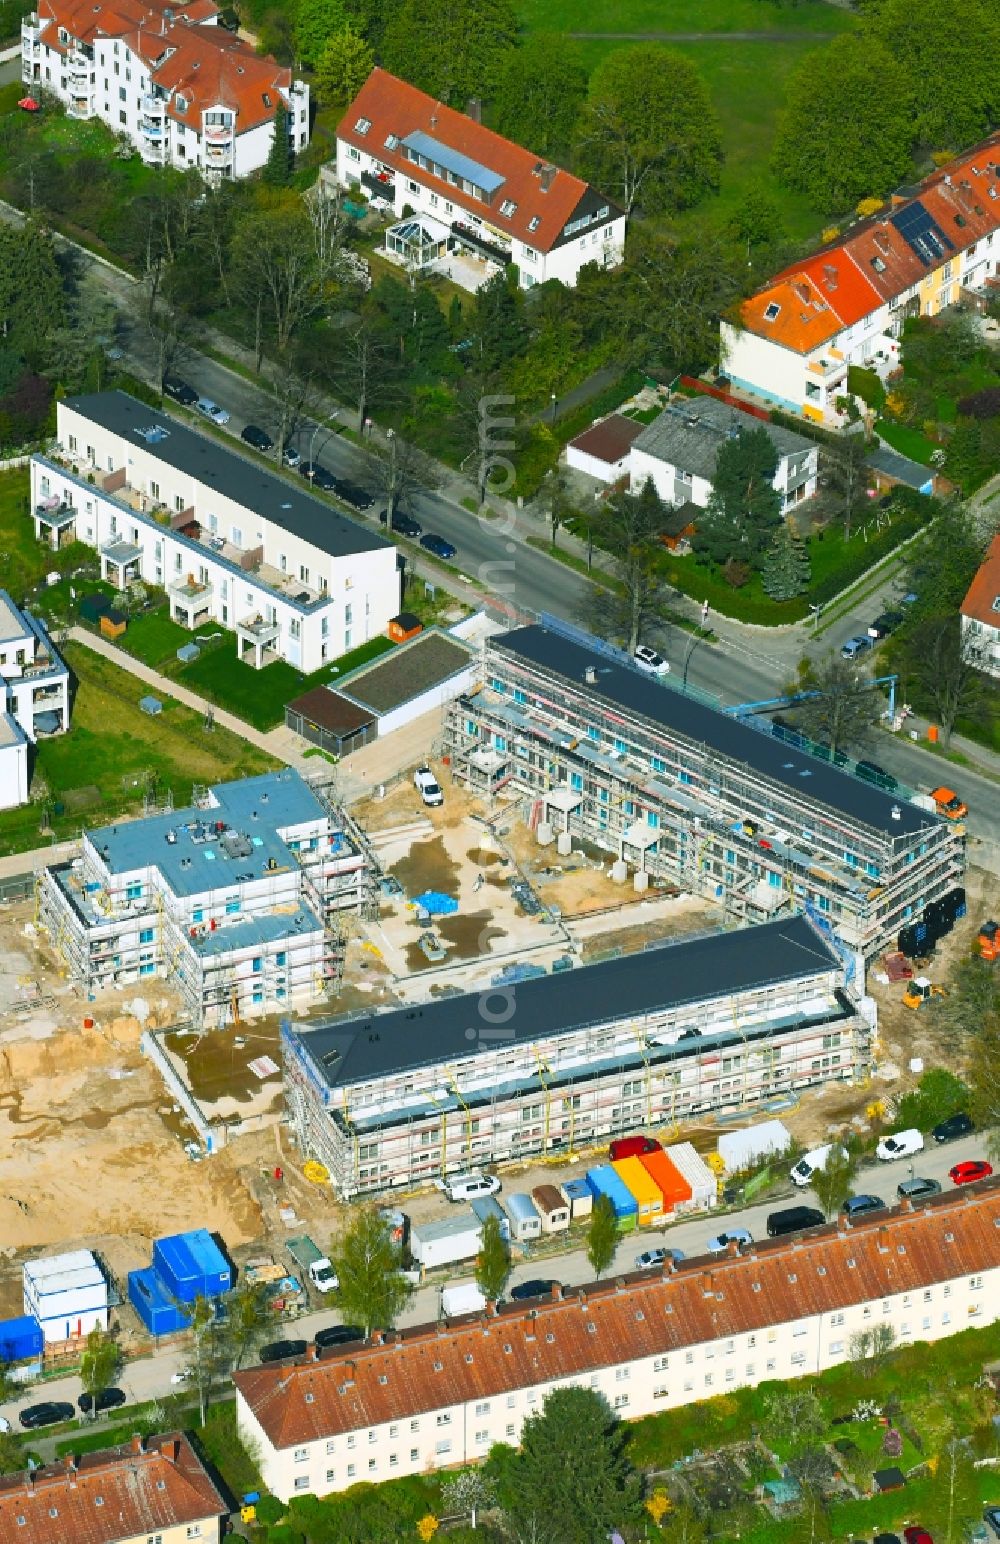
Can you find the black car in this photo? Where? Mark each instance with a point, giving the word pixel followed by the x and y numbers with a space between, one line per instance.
pixel 527 1289
pixel 318 476
pixel 257 438
pixel 952 1128
pixel 991 1517
pixel 437 545
pixel 278 1350
pixel 885 624
pixel 871 772
pixel 48 1413
pixel 353 495
pixel 106 1399
pixel 407 526
pixel 181 392
pixel 339 1334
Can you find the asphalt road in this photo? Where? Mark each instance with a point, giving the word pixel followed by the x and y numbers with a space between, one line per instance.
pixel 150 1377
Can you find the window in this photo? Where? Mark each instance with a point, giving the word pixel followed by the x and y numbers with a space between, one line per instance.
pixel 444 1420
pixel 772 312
pixel 301 1483
pixel 482 1436
pixel 362 126
pixel 483 1408
pixel 508 207
pixel 443 1447
pixel 836 1318
pixel 621 1400
pixel 836 1347
pixel 353 153
pixel 414 1455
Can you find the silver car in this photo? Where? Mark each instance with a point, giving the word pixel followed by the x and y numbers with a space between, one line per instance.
pixel 212 410
pixel 722 1241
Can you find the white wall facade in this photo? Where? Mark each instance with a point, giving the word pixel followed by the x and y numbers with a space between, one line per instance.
pixel 462 1434
pixel 603 471
pixel 13 763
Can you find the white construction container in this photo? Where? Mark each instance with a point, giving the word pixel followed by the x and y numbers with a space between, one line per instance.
pixel 704 1185
pixel 67 1294
pixel 525 1222
pixel 739 1149
pixel 446 1241
pixel 463 1297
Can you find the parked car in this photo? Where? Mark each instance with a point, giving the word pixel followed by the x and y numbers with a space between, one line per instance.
pixel 181 392
pixel 858 1206
pixel 855 647
pixel 48 1413
pixel 209 409
pixel 873 773
pixel 885 624
pixel 918 1189
pixel 404 524
pixel 633 1147
pixel 437 545
pixel 793 1219
pixel 652 1259
pixel 465 1187
pixel 887 1538
pixel 916 1535
pixel 528 1289
pixel 318 476
pixel 901 1144
pixel 649 661
pixel 428 787
pixel 257 438
pixel 278 1350
pixel 106 1399
pixel 722 1241
pixel 4 1425
pixel 952 1128
pixel 290 457
pixel 353 495
pixel 991 1517
pixel 339 1334
pixel 967 1173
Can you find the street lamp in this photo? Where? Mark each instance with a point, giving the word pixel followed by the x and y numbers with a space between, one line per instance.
pixel 701 633
pixel 552 399
pixel 324 423
pixel 815 614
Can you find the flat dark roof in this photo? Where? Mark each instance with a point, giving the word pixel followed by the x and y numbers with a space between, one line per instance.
pixel 689 971
pixel 274 498
pixel 329 710
pixel 411 668
pixel 627 689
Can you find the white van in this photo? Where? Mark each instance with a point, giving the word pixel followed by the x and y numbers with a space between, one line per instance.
pixel 811 1163
pixel 902 1144
pixel 465 1187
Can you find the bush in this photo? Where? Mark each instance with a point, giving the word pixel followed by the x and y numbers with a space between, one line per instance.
pixel 866 385
pixel 981 404
pixel 938 1094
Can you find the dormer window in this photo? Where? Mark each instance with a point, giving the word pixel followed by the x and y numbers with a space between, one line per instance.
pixel 362 126
pixel 996 603
pixel 878 265
pixel 181 104
pixel 63 35
pixel 771 314
pixel 534 222
pixel 508 207
pixel 265 99
pixel 391 141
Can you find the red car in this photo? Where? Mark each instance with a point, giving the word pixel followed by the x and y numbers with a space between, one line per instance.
pixel 967 1173
pixel 632 1147
pixel 917 1536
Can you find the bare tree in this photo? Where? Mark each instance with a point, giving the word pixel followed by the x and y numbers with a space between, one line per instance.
pixel 171 331
pixel 329 226
pixel 841 706
pixel 628 529
pixel 846 477
pixel 554 497
pixel 401 470
pixel 870 1349
pixel 215 232
pixel 277 265
pixel 290 400
pixel 363 355
pixel 947 665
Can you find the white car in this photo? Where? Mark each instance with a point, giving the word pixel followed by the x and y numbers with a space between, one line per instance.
pixel 4 1425
pixel 182 1376
pixel 652 1259
pixel 739 1236
pixel 212 410
pixel 427 786
pixel 902 1144
pixel 466 1187
pixel 650 662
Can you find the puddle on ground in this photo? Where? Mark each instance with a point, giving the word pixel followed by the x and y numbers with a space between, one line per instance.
pixel 483 857
pixel 427 866
pixel 469 936
pixel 217 1067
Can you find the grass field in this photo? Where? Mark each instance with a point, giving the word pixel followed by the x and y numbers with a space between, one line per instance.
pixel 24 562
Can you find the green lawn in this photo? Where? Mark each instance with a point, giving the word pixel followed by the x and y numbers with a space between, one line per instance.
pixel 24 562
pixel 909 442
pixel 154 638
pixel 98 770
pixel 680 16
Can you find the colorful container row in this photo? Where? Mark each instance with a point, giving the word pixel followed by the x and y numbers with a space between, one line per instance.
pixel 647 1190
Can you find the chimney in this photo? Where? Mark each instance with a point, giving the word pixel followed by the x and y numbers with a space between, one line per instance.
pixel 590 676
pixel 434 115
pixel 557 1291
pixel 547 176
pixel 171 1449
pixel 69 1463
pixel 136 1444
pixel 378 1338
pixel 313 1354
pixel 707 1286
pixel 475 110
pixel 906 1205
pixel 347 1368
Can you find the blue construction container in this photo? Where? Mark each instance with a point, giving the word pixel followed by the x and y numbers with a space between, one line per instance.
pixel 603 1181
pixel 152 1302
pixel 192 1265
pixel 21 1339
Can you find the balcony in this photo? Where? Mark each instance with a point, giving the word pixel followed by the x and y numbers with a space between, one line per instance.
pixel 485 248
pixel 153 129
pixel 154 106
pixel 830 368
pixel 190 590
pixel 153 152
pixel 218 133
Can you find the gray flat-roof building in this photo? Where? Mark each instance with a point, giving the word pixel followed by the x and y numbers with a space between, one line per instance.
pixel 680 790
pixel 397 1097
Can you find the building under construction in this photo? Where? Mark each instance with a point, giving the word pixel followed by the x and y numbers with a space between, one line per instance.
pixel 401 1096
pixel 679 790
pixel 237 900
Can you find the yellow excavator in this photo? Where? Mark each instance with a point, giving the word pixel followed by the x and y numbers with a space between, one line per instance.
pixel 920 991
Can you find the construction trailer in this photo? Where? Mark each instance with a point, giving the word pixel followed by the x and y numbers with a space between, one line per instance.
pixel 238 900
pixel 400 1097
pixel 658 776
pixel 68 1295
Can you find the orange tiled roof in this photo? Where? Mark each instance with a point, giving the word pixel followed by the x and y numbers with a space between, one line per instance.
pixel 120 1493
pixel 394 107
pixel 982 600
pixel 613 1322
pixel 874 264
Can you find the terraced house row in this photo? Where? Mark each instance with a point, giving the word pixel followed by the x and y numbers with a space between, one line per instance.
pixel 933 245
pixel 440 1396
pixel 683 791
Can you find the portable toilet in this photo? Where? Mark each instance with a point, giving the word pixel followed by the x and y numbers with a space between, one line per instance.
pixel 603 1181
pixel 647 1193
pixel 673 1187
pixel 578 1197
pixel 525 1222
pixel 552 1207
pixel 489 1206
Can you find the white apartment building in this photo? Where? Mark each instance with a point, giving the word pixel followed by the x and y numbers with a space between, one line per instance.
pixel 230 542
pixel 236 899
pixel 441 1396
pixel 459 190
pixel 678 451
pixel 184 90
pixel 933 246
pixel 34 696
pixel 981 611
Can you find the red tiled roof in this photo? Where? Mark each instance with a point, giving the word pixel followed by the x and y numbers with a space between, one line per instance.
pixel 984 590
pixel 873 264
pixel 610 439
pixel 394 107
pixel 614 1322
pixel 104 1497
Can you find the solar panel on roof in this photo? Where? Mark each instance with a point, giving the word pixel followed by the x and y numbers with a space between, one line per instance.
pixel 453 161
pixel 921 232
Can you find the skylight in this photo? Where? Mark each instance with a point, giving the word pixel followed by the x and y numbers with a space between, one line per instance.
pixel 362 126
pixel 534 222
pixel 391 141
pixel 772 311
pixel 508 207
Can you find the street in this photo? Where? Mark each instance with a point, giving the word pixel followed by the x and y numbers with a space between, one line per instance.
pixel 149 1378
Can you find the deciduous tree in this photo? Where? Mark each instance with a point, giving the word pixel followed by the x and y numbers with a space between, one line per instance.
pixel 452 49
pixel 315 23
pixel 844 707
pixel 99 1363
pixel 343 67
pixel 492 1261
pixel 744 509
pixel 649 133
pixel 539 90
pixel 832 1184
pixel 373 1290
pixel 946 665
pixel 870 1348
pixel 847 126
pixel 276 265
pixel 602 1236
pixel 628 528
pixel 845 477
pixel 951 77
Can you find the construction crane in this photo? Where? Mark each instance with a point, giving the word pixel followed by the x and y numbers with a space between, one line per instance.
pixel 745 709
